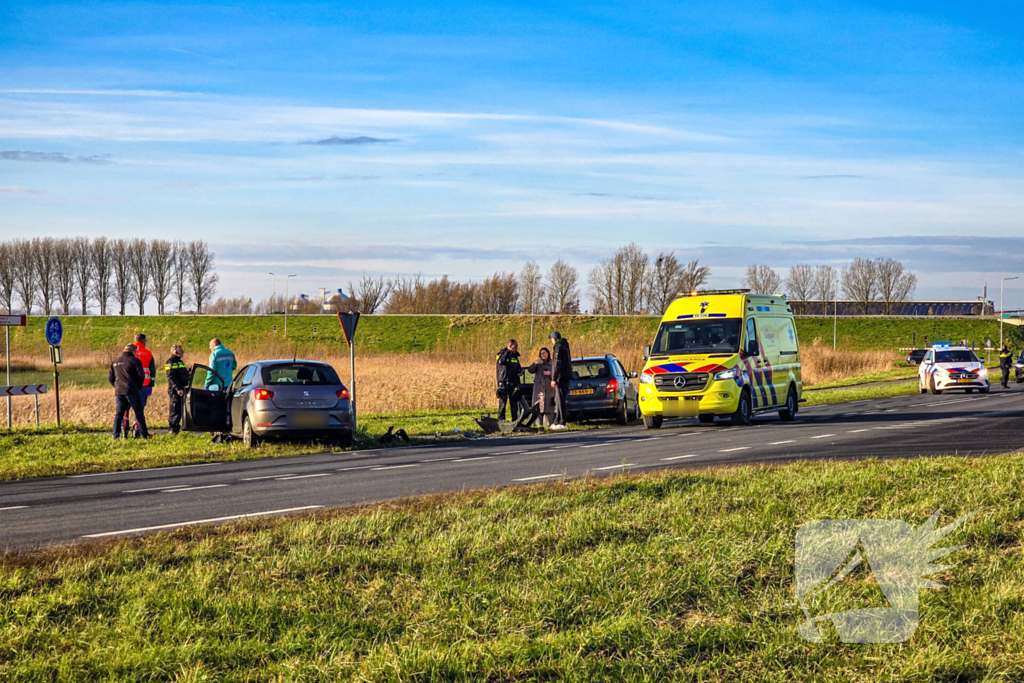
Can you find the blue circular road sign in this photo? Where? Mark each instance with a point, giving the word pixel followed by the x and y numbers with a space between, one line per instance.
pixel 54 331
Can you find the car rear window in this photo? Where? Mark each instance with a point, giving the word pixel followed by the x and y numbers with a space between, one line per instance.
pixel 955 357
pixel 590 369
pixel 306 374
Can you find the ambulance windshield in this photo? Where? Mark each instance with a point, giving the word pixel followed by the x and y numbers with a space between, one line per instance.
pixel 721 335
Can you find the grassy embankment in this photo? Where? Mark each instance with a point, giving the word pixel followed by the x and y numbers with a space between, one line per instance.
pixel 669 576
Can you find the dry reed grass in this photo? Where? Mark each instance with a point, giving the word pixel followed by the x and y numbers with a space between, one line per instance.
pixel 820 363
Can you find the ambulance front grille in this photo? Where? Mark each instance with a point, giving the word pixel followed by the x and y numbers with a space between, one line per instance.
pixel 691 381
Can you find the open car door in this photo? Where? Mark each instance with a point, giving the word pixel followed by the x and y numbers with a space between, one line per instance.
pixel 206 405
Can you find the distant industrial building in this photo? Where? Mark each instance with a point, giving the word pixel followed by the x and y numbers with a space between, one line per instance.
pixel 846 307
pixel 325 302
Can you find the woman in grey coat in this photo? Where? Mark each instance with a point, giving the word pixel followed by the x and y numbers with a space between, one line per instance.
pixel 543 394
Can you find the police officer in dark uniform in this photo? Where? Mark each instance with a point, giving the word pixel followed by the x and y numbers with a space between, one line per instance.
pixel 508 372
pixel 1006 365
pixel 177 382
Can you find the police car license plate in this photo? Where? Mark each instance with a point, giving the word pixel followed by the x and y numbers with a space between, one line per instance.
pixel 581 392
pixel 964 381
pixel 307 420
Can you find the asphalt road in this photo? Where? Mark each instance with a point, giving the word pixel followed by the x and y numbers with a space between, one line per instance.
pixel 71 509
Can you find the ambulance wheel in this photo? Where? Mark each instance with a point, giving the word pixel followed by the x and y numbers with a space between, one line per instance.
pixel 653 421
pixel 706 419
pixel 788 414
pixel 931 387
pixel 249 437
pixel 743 410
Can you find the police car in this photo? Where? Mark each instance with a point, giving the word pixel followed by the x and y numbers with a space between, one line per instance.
pixel 946 368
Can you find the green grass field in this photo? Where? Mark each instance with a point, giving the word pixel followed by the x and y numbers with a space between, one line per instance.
pixel 672 576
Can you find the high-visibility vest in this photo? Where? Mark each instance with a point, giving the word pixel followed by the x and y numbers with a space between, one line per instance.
pixel 145 356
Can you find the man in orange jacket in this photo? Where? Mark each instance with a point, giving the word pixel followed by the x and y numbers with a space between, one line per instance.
pixel 145 357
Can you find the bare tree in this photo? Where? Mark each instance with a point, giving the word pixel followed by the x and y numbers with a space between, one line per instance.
pixel 161 270
pixel 202 278
pixel 64 272
pixel 531 288
pixel 44 251
pixel 8 276
pixel 563 294
pixel 895 285
pixel 25 273
pixel 180 275
pixel 82 255
pixel 669 278
pixel 825 286
pixel 860 283
pixel 138 262
pixel 121 269
pixel 762 279
pixel 800 286
pixel 498 294
pixel 617 284
pixel 102 252
pixel 370 294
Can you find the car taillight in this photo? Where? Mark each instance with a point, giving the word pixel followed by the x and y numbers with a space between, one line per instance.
pixel 613 386
pixel 263 394
pixel 342 394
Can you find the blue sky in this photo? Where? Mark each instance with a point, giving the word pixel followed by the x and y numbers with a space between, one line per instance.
pixel 465 138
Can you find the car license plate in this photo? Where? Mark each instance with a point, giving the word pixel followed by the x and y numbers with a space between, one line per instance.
pixel 307 420
pixel 965 381
pixel 581 392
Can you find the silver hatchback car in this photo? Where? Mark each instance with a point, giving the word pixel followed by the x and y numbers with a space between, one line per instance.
pixel 286 399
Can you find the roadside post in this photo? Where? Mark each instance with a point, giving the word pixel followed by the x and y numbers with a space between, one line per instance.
pixel 9 321
pixel 348 326
pixel 54 333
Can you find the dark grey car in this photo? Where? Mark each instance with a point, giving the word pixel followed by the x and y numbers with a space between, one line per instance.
pixel 600 389
pixel 287 399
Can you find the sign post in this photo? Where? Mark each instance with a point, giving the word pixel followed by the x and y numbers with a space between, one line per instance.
pixel 348 326
pixel 54 333
pixel 9 321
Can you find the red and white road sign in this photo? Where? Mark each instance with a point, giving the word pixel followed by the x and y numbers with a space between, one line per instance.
pixel 23 390
pixel 12 321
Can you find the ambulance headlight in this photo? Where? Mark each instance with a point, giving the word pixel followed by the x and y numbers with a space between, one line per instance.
pixel 726 374
pixel 646 379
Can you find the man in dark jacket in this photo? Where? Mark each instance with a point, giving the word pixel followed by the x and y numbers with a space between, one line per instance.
pixel 1006 365
pixel 126 376
pixel 561 375
pixel 508 372
pixel 177 382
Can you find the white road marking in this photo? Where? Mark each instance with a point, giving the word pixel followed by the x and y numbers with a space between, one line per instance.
pixel 779 443
pixel 304 476
pixel 358 467
pixel 738 448
pixel 503 453
pixel 395 467
pixel 212 520
pixel 165 487
pixel 14 507
pixel 484 457
pixel 440 459
pixel 822 436
pixel 195 488
pixel 649 438
pixel 858 431
pixel 598 445
pixel 267 476
pixel 614 467
pixel 680 457
pixel 550 450
pixel 151 469
pixel 543 476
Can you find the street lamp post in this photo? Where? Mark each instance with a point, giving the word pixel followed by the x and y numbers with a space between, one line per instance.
pixel 273 288
pixel 286 304
pixel 1001 308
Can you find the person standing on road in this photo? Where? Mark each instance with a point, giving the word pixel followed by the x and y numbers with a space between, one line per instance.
pixel 1005 364
pixel 223 364
pixel 508 371
pixel 177 382
pixel 561 375
pixel 543 393
pixel 145 356
pixel 126 376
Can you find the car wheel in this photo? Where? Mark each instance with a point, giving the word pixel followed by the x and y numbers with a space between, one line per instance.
pixel 636 411
pixel 622 414
pixel 249 437
pixel 983 390
pixel 788 414
pixel 653 421
pixel 342 440
pixel 921 387
pixel 706 419
pixel 931 387
pixel 743 410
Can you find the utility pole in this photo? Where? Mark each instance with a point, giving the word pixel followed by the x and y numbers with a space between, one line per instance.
pixel 835 314
pixel 286 304
pixel 1002 308
pixel 273 288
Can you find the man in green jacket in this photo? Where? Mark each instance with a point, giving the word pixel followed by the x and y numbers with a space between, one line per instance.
pixel 223 364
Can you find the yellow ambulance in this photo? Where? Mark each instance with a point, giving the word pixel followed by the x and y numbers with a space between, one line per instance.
pixel 723 353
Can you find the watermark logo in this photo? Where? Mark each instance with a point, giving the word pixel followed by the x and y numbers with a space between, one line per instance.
pixel 862 576
pixel 704 306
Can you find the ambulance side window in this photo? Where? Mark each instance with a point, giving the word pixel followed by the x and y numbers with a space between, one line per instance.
pixel 751 334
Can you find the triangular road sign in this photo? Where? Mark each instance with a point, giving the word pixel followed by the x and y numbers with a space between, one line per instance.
pixel 348 325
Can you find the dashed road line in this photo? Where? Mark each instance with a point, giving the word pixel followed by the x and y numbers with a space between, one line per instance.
pixel 151 469
pixel 358 467
pixel 196 488
pixel 821 436
pixel 858 431
pixel 537 478
pixel 680 457
pixel 598 445
pixel 394 467
pixel 779 443
pixel 549 450
pixel 212 520
pixel 738 448
pixel 267 476
pixel 165 487
pixel 614 467
pixel 305 476
pixel 14 507
pixel 443 459
pixel 474 459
